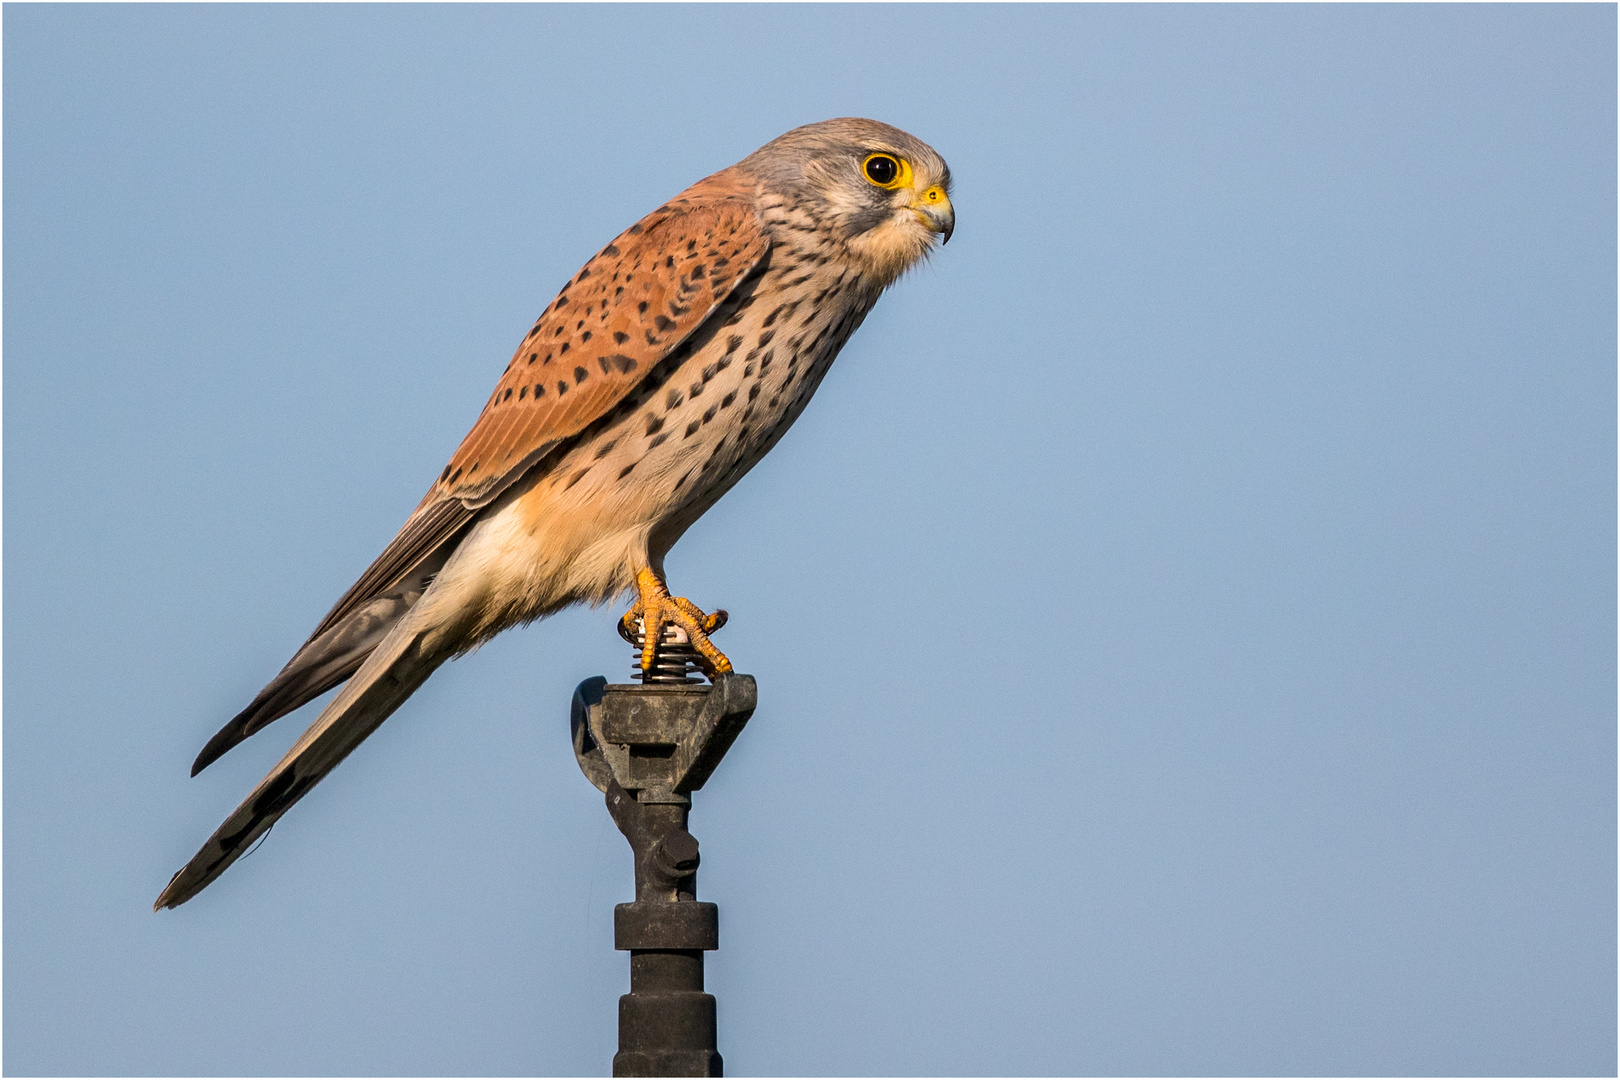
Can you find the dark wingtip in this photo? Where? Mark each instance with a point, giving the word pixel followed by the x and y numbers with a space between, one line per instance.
pixel 216 748
pixel 239 728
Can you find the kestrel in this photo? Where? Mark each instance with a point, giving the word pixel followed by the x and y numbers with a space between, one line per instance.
pixel 659 375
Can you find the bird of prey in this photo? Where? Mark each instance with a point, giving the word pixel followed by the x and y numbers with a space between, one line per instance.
pixel 659 375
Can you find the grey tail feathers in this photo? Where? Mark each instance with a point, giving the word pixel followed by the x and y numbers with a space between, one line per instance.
pixel 389 675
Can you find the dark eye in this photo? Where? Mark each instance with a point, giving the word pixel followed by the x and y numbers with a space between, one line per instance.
pixel 881 169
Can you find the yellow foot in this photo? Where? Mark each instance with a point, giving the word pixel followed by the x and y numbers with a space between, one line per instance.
pixel 656 609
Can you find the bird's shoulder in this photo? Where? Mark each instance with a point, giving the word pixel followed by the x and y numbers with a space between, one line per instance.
pixel 626 310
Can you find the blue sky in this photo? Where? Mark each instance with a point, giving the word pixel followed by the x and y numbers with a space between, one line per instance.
pixel 1184 619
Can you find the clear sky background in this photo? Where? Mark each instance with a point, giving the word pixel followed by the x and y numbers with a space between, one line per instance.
pixel 1184 619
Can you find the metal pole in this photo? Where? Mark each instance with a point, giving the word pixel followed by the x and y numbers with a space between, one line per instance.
pixel 647 748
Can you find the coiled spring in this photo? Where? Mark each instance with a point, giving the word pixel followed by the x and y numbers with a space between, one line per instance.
pixel 676 663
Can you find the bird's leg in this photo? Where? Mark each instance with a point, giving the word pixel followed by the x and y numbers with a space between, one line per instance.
pixel 656 607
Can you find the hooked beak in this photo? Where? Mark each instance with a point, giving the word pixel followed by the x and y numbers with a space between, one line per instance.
pixel 933 208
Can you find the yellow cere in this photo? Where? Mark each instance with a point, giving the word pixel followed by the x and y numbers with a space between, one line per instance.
pixel 902 176
pixel 933 196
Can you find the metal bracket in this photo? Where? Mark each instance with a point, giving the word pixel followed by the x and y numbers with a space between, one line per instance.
pixel 661 742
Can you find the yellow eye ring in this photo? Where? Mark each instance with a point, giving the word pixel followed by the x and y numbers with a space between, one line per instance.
pixel 886 171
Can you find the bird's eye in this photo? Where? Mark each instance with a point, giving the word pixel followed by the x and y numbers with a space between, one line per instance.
pixel 882 170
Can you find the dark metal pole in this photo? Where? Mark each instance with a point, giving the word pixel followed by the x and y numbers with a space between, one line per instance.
pixel 647 748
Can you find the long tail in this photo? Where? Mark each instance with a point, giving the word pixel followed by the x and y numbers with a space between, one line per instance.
pixel 392 672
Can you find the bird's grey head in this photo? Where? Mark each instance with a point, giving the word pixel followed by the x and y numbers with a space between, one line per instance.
pixel 887 194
